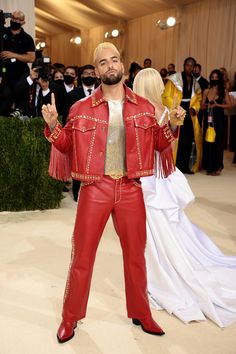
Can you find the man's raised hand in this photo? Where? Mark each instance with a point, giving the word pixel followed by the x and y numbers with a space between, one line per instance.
pixel 49 113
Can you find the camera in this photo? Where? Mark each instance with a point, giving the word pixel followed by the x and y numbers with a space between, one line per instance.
pixel 3 16
pixel 46 60
pixel 43 73
pixel 42 68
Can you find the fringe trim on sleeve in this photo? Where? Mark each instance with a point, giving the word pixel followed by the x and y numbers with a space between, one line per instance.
pixel 59 165
pixel 166 162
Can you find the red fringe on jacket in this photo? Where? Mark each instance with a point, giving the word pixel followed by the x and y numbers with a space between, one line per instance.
pixel 59 165
pixel 166 164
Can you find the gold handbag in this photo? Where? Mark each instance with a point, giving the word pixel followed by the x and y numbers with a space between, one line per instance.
pixel 210 136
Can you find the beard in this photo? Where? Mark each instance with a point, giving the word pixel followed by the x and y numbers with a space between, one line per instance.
pixel 113 79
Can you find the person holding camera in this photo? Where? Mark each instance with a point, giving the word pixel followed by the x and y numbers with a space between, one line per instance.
pixel 18 49
pixel 34 90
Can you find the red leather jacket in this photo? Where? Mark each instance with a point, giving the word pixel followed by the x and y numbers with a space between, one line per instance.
pixel 83 139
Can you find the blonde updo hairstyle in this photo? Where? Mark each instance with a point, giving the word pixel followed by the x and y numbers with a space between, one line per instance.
pixel 148 84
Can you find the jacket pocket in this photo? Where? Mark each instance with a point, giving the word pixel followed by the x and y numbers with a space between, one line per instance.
pixel 84 132
pixel 144 122
pixel 84 125
pixel 144 134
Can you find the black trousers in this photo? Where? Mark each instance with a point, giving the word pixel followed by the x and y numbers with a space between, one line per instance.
pixel 75 188
pixel 186 137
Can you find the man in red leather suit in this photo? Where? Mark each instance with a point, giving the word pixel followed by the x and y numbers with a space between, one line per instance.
pixel 109 142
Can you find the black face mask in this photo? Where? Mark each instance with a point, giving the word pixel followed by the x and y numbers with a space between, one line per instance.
pixel 171 72
pixel 88 81
pixel 15 25
pixel 68 79
pixel 214 82
pixel 196 75
pixel 59 82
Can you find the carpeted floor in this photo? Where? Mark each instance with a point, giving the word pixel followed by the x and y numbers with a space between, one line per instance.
pixel 34 259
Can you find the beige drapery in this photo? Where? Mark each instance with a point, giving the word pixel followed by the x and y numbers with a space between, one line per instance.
pixel 207 31
pixel 210 28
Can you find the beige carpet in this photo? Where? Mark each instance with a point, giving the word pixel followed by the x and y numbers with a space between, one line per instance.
pixel 34 256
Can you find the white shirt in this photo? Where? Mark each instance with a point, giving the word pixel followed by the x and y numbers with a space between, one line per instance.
pixel 69 88
pixel 86 88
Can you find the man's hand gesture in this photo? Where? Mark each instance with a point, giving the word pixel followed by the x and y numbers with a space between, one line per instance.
pixel 49 113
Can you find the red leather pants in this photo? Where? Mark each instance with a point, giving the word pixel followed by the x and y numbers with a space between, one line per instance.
pixel 123 198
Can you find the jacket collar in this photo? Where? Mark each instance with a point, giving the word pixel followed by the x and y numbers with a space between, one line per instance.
pixel 177 80
pixel 98 98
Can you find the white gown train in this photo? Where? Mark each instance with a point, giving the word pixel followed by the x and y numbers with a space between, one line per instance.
pixel 187 274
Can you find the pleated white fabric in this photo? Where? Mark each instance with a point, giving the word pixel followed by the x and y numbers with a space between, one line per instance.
pixel 187 274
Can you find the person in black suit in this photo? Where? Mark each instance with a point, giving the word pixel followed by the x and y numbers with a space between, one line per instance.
pixel 88 83
pixel 203 84
pixel 58 77
pixel 201 80
pixel 62 93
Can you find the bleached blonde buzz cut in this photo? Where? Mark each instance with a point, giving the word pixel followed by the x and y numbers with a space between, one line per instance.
pixel 104 45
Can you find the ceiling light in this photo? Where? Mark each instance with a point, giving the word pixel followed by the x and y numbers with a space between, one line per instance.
pixel 115 33
pixel 161 24
pixel 76 40
pixel 40 45
pixel 171 21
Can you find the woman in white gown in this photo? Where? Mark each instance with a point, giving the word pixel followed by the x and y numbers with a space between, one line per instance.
pixel 188 275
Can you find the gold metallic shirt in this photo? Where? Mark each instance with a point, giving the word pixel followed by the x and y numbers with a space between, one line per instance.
pixel 115 164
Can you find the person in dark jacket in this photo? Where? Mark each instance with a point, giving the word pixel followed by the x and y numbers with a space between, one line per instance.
pixel 89 82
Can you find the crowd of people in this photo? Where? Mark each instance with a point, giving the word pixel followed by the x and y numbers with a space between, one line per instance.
pixel 201 99
pixel 24 89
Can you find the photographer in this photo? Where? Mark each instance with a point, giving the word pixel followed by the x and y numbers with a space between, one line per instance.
pixel 17 50
pixel 34 90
